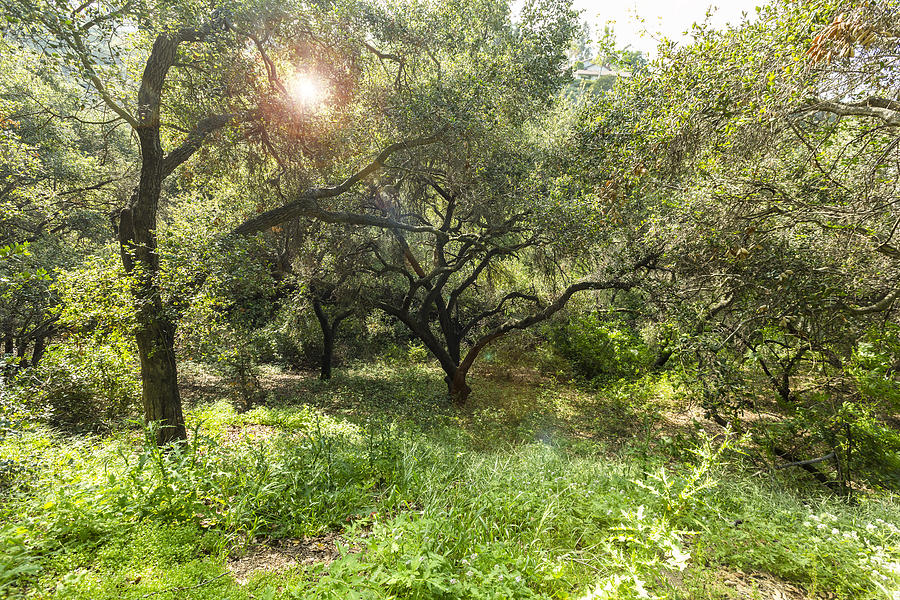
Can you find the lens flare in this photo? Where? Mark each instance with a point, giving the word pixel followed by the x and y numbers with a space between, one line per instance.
pixel 307 90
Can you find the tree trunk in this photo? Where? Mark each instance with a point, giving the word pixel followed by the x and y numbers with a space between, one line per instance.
pixel 327 340
pixel 458 388
pixel 155 333
pixel 155 329
pixel 21 349
pixel 39 345
pixel 327 353
pixel 455 371
pixel 6 368
pixel 662 358
pixel 159 375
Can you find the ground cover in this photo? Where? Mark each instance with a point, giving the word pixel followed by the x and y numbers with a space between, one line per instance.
pixel 370 486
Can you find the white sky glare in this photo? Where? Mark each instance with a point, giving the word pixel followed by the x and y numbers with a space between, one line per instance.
pixel 669 18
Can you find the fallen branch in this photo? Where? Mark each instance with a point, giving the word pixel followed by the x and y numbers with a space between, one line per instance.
pixel 811 461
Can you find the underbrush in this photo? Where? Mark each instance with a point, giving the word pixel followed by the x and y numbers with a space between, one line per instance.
pixel 434 510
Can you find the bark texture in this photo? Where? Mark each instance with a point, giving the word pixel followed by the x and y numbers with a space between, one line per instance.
pixel 329 329
pixel 155 333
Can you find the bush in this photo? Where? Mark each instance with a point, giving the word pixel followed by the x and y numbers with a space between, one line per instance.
pixel 849 420
pixel 90 375
pixel 239 364
pixel 600 347
pixel 77 386
pixel 277 344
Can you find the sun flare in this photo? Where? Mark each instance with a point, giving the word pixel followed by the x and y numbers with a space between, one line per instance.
pixel 307 90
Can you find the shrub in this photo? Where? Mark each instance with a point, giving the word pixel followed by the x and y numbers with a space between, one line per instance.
pixel 91 374
pixel 600 347
pixel 77 385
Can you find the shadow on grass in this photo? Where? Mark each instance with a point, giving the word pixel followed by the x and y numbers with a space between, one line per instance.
pixel 500 410
pixel 395 393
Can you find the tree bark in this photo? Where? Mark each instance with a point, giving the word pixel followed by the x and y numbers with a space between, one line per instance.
pixel 40 343
pixel 159 376
pixel 327 340
pixel 329 332
pixel 7 369
pixel 155 334
pixel 327 354
pixel 21 349
pixel 458 388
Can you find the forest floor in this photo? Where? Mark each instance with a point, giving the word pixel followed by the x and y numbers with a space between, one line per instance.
pixel 372 486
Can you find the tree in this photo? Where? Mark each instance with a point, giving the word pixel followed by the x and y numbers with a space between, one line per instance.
pixel 59 158
pixel 483 280
pixel 325 260
pixel 460 195
pixel 90 43
pixel 780 212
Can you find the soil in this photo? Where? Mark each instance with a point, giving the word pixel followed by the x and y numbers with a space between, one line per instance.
pixel 279 555
pixel 762 585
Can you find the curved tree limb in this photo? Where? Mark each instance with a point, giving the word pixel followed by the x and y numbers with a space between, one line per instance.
pixel 618 283
pixel 306 204
pixel 878 108
pixel 193 141
pixel 883 304
pixel 84 57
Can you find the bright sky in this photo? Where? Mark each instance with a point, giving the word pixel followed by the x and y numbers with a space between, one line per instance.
pixel 670 18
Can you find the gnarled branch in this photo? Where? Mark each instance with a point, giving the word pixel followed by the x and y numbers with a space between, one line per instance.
pixel 306 205
pixel 878 108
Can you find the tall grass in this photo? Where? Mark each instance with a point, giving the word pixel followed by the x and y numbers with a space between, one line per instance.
pixel 435 515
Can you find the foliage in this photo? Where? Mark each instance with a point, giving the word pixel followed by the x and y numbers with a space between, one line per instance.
pixel 753 157
pixel 725 219
pixel 89 376
pixel 433 516
pixel 55 175
pixel 80 386
pixel 600 347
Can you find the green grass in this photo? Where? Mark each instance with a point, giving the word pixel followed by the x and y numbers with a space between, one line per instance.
pixel 511 503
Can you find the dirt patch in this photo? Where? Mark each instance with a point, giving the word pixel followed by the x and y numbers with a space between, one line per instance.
pixel 728 584
pixel 261 558
pixel 275 556
pixel 198 384
pixel 762 585
pixel 242 433
pixel 285 386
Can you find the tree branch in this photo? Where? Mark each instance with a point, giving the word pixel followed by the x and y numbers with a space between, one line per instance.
pixel 193 142
pixel 803 463
pixel 886 110
pixel 647 262
pixel 306 204
pixel 489 313
pixel 883 304
pixel 85 60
